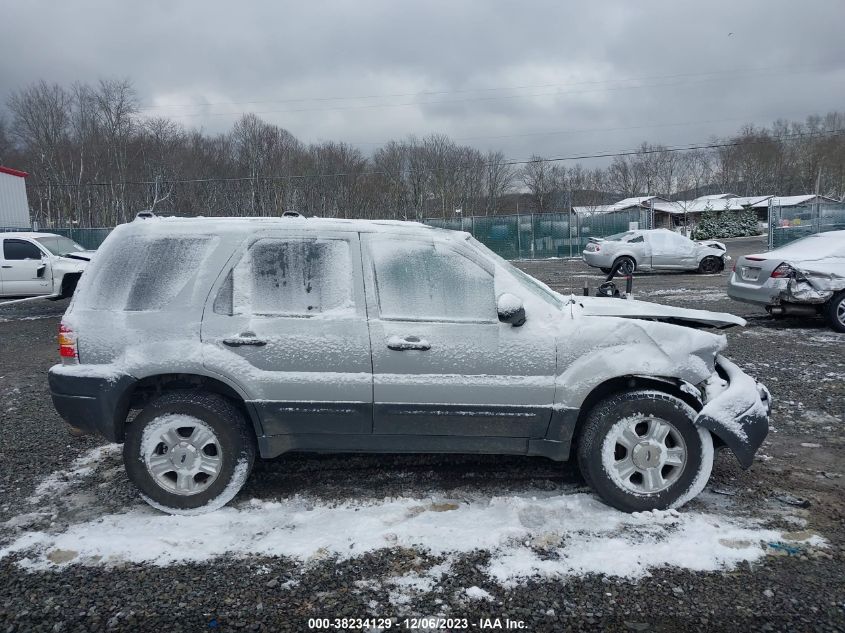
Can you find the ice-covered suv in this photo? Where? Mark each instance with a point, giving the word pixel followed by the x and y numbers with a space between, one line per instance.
pixel 200 343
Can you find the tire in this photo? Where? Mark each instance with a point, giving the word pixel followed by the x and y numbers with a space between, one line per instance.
pixel 625 265
pixel 711 265
pixel 834 311
pixel 664 485
pixel 210 437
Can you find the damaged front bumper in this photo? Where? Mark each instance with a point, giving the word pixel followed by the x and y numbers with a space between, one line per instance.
pixel 736 410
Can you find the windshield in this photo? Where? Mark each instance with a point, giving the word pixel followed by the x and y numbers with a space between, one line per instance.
pixel 59 245
pixel 619 236
pixel 535 287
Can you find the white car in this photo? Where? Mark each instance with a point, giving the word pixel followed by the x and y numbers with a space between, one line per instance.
pixel 40 264
pixel 655 249
pixel 805 277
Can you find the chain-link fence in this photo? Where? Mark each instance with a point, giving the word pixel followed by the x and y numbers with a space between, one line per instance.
pixel 523 236
pixel 544 235
pixel 787 224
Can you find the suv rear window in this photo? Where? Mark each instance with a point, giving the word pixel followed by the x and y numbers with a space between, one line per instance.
pixel 144 272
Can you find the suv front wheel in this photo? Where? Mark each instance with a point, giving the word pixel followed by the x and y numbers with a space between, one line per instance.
pixel 639 450
pixel 189 452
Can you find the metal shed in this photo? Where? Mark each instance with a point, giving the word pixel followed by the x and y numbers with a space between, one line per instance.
pixel 14 208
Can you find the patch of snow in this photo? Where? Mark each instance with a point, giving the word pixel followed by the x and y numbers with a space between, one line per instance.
pixel 585 535
pixel 477 593
pixel 58 482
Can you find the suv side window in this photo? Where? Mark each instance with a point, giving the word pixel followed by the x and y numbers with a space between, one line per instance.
pixel 20 249
pixel 426 281
pixel 290 277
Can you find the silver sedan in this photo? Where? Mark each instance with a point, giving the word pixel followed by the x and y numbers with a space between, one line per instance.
pixel 655 249
pixel 806 277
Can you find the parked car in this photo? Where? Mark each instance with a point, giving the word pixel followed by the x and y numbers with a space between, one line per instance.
pixel 654 249
pixel 36 264
pixel 237 337
pixel 805 277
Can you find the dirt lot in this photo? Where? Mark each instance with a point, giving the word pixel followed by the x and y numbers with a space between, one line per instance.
pixel 52 484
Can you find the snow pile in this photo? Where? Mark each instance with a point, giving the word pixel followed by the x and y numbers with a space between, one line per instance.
pixel 551 536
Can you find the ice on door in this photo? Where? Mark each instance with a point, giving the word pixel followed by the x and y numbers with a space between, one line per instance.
pixel 463 372
pixel 289 323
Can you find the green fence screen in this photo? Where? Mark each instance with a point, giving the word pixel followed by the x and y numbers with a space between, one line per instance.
pixel 787 224
pixel 543 235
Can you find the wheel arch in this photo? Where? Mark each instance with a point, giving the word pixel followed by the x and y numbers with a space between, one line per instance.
pixel 618 384
pixel 143 390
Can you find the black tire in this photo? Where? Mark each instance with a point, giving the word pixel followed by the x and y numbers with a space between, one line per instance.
pixel 711 265
pixel 623 409
pixel 231 432
pixel 624 265
pixel 834 311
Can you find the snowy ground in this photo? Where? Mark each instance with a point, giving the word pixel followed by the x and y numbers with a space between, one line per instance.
pixel 456 536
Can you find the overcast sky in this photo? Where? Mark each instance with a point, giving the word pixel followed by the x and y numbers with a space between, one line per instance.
pixel 552 78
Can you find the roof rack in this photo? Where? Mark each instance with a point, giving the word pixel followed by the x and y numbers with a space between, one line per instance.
pixel 145 215
pixel 292 214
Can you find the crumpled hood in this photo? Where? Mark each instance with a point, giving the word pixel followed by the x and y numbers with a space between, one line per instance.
pixel 81 255
pixel 633 309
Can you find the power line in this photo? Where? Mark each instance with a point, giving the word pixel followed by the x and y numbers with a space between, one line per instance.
pixel 377 172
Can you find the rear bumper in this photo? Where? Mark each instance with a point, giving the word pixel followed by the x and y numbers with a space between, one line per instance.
pixel 765 295
pixel 95 404
pixel 736 410
pixel 597 259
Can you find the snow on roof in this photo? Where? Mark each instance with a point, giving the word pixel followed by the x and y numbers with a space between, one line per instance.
pixel 717 196
pixel 626 203
pixel 705 203
pixel 212 225
pixel 792 201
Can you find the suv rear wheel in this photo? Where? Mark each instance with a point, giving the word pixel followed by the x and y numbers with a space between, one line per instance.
pixel 639 450
pixel 834 311
pixel 189 452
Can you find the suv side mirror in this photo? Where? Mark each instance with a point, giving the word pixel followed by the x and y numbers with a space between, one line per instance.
pixel 510 309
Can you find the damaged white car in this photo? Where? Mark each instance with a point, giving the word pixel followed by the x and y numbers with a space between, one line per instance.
pixel 261 336
pixel 654 249
pixel 40 264
pixel 806 277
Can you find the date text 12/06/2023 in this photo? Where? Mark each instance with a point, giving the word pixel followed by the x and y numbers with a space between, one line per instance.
pixel 416 623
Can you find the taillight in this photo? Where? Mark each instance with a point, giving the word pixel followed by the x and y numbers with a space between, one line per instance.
pixel 784 270
pixel 67 346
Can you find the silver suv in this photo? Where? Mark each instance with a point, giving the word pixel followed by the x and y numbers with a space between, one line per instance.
pixel 201 343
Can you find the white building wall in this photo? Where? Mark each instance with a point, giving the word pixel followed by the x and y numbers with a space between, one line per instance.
pixel 14 208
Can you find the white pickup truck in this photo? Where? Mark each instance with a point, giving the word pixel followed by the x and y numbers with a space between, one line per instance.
pixel 40 264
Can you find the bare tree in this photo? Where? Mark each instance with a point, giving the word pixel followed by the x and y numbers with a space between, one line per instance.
pixel 537 175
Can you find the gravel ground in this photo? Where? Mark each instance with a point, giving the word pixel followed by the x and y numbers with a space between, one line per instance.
pixel 798 476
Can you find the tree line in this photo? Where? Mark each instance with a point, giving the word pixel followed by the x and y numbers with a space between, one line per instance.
pixel 95 160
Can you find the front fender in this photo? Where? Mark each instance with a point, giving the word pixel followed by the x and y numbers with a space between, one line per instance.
pixel 736 410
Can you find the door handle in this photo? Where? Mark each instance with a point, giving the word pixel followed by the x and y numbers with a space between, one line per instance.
pixel 246 338
pixel 401 344
pixel 4 266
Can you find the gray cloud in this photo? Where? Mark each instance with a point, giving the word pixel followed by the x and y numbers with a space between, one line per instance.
pixel 307 65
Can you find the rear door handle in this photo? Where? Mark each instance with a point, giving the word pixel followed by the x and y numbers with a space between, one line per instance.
pixel 403 343
pixel 4 266
pixel 246 338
